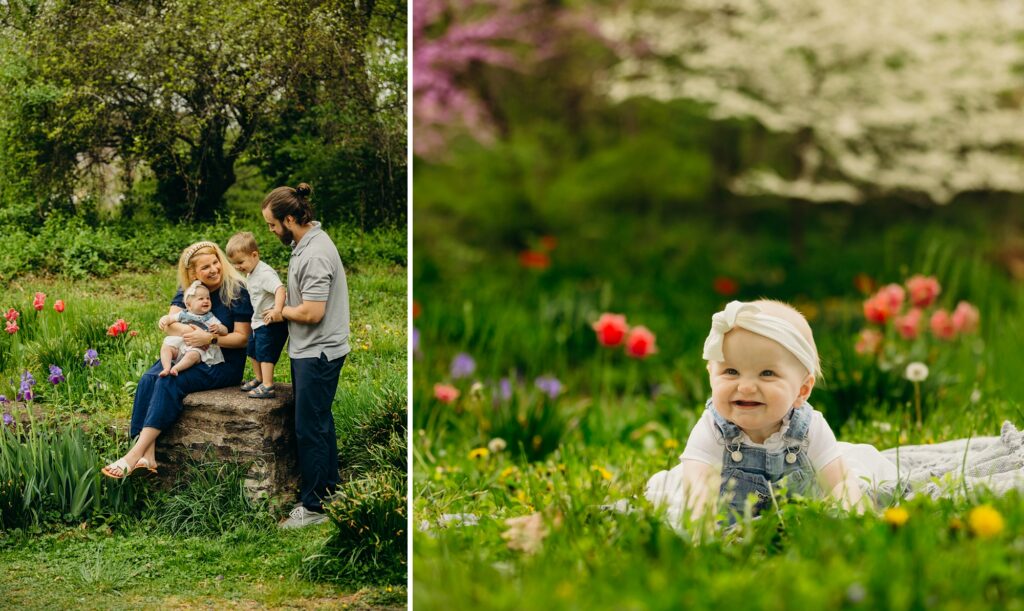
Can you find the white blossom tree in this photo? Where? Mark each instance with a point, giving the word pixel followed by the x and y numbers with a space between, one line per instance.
pixel 914 98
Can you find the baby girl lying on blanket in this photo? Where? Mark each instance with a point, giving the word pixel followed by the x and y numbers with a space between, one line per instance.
pixel 758 429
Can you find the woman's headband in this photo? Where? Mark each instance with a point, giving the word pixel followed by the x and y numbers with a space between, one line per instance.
pixel 748 316
pixel 192 250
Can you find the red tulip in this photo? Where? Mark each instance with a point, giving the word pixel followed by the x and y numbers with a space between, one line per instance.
pixel 909 325
pixel 416 309
pixel 942 325
pixel 11 315
pixel 640 343
pixel 611 329
pixel 893 295
pixel 39 301
pixel 121 325
pixel 726 287
pixel 445 393
pixel 876 309
pixel 531 259
pixel 965 318
pixel 112 331
pixel 12 327
pixel 58 305
pixel 923 290
pixel 869 341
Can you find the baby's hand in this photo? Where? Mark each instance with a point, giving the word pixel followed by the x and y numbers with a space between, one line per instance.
pixel 219 329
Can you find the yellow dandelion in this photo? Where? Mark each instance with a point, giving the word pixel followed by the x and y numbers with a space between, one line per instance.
pixel 478 453
pixel 985 521
pixel 605 473
pixel 956 524
pixel 670 444
pixel 506 472
pixel 896 516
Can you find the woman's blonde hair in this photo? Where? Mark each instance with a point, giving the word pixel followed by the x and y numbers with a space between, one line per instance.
pixel 232 282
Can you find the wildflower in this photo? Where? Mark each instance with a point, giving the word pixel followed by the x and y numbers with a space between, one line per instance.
pixel 416 309
pixel 525 533
pixel 532 259
pixel 855 593
pixel 56 375
pixel 956 524
pixel 463 366
pixel 415 341
pixel 640 343
pixel 58 305
pixel 478 453
pixel 92 358
pixel 11 315
pixel 4 400
pixel 724 286
pixel 965 318
pixel 548 243
pixel 121 325
pixel 505 389
pixel 507 472
pixel 605 473
pixel 877 310
pixel 909 324
pixel 549 385
pixel 895 516
pixel 864 283
pixel 445 393
pixel 39 301
pixel 8 419
pixel 985 522
pixel 942 325
pixel 670 444
pixel 868 341
pixel 916 372
pixel 923 290
pixel 11 328
pixel 611 329
pixel 496 445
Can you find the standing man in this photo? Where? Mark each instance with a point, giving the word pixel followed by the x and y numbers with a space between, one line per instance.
pixel 317 315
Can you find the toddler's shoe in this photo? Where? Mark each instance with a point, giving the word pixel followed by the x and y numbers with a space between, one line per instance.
pixel 250 385
pixel 262 392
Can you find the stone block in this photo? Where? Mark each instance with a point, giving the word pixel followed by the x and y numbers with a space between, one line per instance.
pixel 227 425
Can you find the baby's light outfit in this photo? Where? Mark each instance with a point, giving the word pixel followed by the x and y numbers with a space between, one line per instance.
pixel 803 446
pixel 212 354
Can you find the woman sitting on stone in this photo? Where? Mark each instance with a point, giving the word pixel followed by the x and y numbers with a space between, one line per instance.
pixel 158 400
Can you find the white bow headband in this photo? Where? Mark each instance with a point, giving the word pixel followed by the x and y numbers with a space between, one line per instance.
pixel 191 290
pixel 748 316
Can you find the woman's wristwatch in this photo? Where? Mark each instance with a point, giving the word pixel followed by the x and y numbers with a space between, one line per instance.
pixel 213 340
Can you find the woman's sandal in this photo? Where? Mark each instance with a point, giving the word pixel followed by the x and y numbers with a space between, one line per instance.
pixel 120 465
pixel 250 385
pixel 263 392
pixel 144 463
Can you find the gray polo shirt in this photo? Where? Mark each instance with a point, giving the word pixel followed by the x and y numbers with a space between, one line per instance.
pixel 315 273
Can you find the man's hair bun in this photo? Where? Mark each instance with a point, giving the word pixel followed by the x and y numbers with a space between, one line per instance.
pixel 303 190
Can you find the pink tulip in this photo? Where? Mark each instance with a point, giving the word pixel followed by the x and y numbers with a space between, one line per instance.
pixel 877 309
pixel 893 295
pixel 909 325
pixel 923 290
pixel 640 343
pixel 39 301
pixel 868 341
pixel 445 393
pixel 942 325
pixel 965 318
pixel 58 305
pixel 611 329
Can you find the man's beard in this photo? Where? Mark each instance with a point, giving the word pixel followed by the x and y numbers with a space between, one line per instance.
pixel 287 237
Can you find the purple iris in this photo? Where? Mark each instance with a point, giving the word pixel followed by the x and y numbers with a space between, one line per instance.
pixel 8 418
pixel 415 341
pixel 505 389
pixel 56 375
pixel 25 388
pixel 92 358
pixel 463 366
pixel 549 385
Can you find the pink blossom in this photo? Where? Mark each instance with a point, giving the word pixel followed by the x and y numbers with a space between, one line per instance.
pixel 869 341
pixel 39 301
pixel 965 318
pixel 611 329
pixel 877 309
pixel 893 294
pixel 445 393
pixel 942 325
pixel 923 290
pixel 909 325
pixel 640 343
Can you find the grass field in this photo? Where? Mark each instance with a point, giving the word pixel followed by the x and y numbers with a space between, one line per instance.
pixel 125 551
pixel 614 420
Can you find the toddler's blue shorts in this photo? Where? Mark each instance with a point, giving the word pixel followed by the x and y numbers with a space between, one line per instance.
pixel 266 342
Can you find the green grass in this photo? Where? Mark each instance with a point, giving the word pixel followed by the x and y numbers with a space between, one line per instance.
pixel 619 420
pixel 176 549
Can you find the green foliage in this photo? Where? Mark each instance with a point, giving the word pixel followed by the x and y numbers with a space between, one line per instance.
pixel 209 499
pixel 51 474
pixel 369 542
pixel 374 438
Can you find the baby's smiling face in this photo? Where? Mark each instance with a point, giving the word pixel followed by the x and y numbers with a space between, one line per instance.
pixel 199 303
pixel 757 383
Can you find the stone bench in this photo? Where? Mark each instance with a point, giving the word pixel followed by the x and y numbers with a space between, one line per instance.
pixel 226 425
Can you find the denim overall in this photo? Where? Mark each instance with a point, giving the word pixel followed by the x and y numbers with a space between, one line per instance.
pixel 747 469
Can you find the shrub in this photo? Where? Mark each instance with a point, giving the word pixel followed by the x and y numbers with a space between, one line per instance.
pixel 368 545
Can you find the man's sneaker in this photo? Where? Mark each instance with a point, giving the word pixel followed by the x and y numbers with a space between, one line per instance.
pixel 300 517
